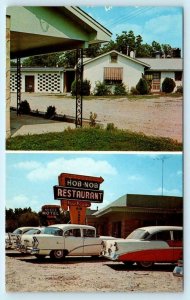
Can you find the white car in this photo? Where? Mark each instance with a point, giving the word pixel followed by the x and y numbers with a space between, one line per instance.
pixel 61 240
pixel 146 246
pixel 11 237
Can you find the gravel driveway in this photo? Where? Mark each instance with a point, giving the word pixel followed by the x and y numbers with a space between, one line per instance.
pixel 27 274
pixel 152 116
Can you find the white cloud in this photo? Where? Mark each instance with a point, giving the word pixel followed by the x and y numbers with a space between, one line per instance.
pixel 27 165
pixel 159 28
pixel 134 177
pixel 83 166
pixel 107 8
pixel 23 201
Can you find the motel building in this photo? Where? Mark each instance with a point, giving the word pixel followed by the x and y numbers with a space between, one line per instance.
pixel 43 80
pixel 131 211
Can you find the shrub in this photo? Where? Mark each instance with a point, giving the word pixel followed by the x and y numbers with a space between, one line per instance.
pixel 110 127
pixel 50 113
pixel 24 107
pixel 168 85
pixel 93 117
pixel 142 87
pixel 134 91
pixel 120 89
pixel 85 87
pixel 102 89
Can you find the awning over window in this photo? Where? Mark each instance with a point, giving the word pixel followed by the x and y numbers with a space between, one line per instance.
pixel 113 73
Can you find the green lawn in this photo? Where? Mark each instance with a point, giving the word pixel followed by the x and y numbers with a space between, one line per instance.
pixel 93 139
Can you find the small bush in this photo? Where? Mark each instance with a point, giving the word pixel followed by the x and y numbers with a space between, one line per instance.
pixel 102 89
pixel 142 87
pixel 120 90
pixel 110 127
pixel 168 85
pixel 134 91
pixel 51 112
pixel 85 87
pixel 24 107
pixel 93 117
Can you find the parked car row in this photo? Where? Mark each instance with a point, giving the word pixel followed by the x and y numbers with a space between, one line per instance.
pixel 11 237
pixel 144 246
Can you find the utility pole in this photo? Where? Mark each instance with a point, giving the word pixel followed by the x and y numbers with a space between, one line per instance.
pixel 162 158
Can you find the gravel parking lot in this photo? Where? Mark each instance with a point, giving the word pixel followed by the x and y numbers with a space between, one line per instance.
pixel 26 274
pixel 160 117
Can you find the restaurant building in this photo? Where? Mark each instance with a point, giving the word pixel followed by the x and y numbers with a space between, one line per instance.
pixel 132 211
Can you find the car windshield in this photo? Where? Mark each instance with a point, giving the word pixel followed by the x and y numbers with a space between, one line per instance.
pixel 33 231
pixel 138 234
pixel 17 231
pixel 53 231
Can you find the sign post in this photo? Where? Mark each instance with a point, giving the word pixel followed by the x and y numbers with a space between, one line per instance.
pixel 76 193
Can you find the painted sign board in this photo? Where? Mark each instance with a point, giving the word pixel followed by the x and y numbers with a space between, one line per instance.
pixel 79 183
pixel 51 211
pixel 67 193
pixel 77 192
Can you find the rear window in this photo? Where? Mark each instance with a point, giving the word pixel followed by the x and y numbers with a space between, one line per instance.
pixel 161 236
pixel 138 234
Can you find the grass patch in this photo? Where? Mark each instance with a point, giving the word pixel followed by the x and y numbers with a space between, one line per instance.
pixel 92 139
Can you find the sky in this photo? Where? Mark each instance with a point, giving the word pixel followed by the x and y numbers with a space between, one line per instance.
pixel 31 176
pixel 163 24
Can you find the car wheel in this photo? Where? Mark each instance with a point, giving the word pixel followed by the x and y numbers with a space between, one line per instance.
pixel 145 264
pixel 57 254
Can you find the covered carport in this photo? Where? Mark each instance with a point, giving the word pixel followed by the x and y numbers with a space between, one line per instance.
pixel 40 30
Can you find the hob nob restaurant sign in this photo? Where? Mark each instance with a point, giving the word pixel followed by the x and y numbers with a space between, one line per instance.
pixel 79 187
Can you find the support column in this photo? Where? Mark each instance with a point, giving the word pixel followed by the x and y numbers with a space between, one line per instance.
pixel 79 80
pixel 8 93
pixel 18 85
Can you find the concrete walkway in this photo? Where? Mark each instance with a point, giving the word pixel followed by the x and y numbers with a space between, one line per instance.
pixel 24 125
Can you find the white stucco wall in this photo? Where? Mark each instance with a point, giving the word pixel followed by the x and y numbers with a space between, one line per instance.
pixel 132 71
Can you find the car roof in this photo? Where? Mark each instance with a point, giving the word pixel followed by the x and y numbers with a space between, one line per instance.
pixel 72 226
pixel 27 227
pixel 153 229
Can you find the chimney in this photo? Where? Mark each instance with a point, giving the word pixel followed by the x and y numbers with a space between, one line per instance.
pixel 132 54
pixel 157 54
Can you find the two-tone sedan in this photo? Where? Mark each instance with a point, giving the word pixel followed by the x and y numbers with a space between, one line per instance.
pixel 146 246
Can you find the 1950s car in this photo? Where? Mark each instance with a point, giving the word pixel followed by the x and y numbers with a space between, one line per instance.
pixel 61 240
pixel 146 246
pixel 11 237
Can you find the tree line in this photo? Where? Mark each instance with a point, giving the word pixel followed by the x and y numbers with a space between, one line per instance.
pixel 20 217
pixel 124 43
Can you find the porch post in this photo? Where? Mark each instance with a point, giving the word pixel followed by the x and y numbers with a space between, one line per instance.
pixel 8 94
pixel 79 80
pixel 18 85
